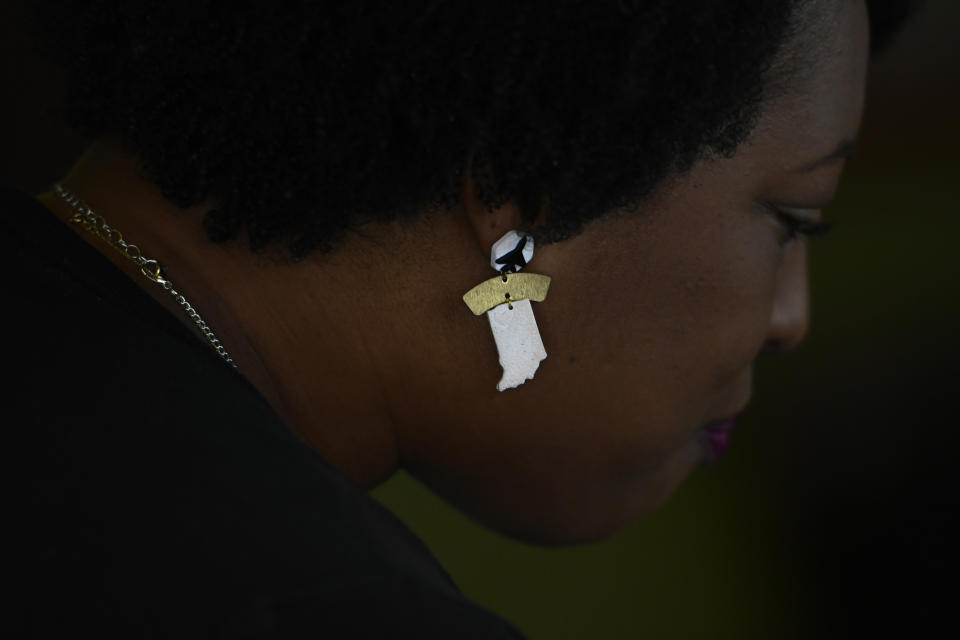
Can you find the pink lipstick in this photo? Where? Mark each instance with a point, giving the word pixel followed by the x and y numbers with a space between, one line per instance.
pixel 716 437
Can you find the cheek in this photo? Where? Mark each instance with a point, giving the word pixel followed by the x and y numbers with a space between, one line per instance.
pixel 646 351
pixel 683 319
pixel 642 351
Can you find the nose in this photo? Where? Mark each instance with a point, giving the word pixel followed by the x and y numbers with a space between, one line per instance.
pixel 790 315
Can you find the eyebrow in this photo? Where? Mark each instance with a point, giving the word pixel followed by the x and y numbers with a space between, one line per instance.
pixel 844 150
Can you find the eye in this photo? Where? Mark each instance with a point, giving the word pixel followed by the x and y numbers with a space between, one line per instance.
pixel 796 226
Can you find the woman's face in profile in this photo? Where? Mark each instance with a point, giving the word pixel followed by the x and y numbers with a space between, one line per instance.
pixel 652 324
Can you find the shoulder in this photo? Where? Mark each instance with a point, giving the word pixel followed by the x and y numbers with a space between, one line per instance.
pixel 382 607
pixel 374 608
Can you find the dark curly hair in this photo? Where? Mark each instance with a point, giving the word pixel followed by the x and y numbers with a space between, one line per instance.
pixel 304 119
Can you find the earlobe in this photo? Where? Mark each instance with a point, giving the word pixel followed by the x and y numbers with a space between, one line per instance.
pixel 487 225
pixel 505 298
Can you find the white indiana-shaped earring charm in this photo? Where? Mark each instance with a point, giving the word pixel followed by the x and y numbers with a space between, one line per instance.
pixel 505 299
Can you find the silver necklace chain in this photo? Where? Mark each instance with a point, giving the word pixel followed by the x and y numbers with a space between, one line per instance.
pixel 94 223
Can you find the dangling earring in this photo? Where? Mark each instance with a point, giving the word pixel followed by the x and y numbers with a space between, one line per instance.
pixel 505 299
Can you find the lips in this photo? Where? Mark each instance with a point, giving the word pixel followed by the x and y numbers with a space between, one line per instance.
pixel 716 436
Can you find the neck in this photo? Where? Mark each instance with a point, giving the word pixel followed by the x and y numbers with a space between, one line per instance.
pixel 314 338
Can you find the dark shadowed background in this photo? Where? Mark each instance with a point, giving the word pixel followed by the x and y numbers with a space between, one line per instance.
pixel 831 514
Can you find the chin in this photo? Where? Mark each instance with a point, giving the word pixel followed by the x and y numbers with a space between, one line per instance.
pixel 598 517
pixel 552 508
pixel 570 529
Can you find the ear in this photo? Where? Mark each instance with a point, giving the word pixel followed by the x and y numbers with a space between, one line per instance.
pixel 489 225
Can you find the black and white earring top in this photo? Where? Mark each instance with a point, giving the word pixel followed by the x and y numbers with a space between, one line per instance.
pixel 505 259
pixel 505 299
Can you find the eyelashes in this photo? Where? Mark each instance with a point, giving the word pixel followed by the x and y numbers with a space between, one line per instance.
pixel 803 227
pixel 795 226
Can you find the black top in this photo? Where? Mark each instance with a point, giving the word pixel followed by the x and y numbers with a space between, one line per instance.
pixel 164 497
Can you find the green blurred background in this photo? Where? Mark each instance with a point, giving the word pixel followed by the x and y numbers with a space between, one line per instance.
pixel 831 514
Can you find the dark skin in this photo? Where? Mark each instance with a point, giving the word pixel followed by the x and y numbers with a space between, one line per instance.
pixel 652 322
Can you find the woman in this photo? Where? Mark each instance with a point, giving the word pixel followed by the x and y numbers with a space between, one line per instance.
pixel 322 185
